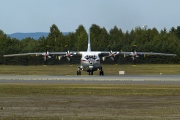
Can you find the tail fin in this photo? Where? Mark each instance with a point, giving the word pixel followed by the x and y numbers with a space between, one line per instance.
pixel 89 42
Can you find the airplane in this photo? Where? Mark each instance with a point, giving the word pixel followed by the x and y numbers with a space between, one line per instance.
pixel 90 60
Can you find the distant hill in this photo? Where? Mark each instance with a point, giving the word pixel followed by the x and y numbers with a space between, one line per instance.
pixel 35 35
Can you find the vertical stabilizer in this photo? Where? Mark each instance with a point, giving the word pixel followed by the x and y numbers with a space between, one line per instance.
pixel 89 42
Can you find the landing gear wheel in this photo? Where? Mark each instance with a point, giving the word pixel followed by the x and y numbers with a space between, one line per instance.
pixel 101 73
pixel 90 72
pixel 78 72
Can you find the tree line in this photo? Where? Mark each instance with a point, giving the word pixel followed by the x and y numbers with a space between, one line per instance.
pixel 147 40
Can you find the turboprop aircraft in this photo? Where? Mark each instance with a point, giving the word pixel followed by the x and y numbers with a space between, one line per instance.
pixel 90 60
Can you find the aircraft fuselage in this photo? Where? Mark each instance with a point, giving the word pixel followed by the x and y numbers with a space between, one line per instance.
pixel 90 61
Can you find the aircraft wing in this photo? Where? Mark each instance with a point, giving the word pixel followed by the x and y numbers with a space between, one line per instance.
pixel 24 54
pixel 39 53
pixel 146 53
pixel 62 53
pixel 108 52
pixel 151 53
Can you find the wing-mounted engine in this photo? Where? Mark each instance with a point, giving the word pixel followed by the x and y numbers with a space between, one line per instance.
pixel 111 55
pixel 133 54
pixel 46 55
pixel 68 55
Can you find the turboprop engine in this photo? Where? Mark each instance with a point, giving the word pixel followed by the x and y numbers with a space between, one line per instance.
pixel 111 55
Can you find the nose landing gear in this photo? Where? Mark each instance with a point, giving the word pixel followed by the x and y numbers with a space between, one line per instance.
pixel 101 72
pixel 90 72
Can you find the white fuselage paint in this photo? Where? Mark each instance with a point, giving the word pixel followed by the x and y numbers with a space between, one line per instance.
pixel 90 61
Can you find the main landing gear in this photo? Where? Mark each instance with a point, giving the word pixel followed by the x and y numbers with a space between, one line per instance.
pixel 101 73
pixel 90 72
pixel 78 71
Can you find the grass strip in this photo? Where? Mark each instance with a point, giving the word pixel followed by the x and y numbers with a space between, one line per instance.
pixel 142 69
pixel 95 90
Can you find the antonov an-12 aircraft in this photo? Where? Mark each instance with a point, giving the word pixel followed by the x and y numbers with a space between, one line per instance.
pixel 90 60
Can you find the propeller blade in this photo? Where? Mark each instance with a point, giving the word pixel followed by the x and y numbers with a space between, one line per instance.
pixel 68 58
pixel 134 61
pixel 112 58
pixel 111 55
pixel 45 60
pixel 104 58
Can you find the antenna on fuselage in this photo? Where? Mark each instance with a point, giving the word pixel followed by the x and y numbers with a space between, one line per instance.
pixel 89 42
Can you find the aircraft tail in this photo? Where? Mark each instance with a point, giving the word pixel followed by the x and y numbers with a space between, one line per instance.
pixel 89 42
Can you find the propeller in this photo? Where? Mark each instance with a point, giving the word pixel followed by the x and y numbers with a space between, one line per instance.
pixel 68 55
pixel 134 54
pixel 111 55
pixel 46 56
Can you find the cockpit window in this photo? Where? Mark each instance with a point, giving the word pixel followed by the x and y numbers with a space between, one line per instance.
pixel 90 56
pixel 87 57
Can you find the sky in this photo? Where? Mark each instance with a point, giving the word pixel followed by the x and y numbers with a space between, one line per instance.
pixel 39 15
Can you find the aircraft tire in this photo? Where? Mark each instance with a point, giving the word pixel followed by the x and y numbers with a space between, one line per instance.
pixel 90 72
pixel 101 73
pixel 78 72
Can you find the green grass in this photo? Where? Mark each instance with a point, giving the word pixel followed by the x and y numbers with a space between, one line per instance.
pixel 108 69
pixel 81 90
pixel 89 102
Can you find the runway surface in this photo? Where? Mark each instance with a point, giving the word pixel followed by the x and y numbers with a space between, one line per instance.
pixel 119 79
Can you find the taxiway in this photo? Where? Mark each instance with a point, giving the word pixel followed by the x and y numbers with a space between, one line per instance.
pixel 119 79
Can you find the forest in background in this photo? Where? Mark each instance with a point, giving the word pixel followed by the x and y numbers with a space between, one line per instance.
pixel 146 40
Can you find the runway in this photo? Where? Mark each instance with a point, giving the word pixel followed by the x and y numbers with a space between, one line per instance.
pixel 119 79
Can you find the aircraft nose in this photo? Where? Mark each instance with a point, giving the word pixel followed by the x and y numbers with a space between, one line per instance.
pixel 91 61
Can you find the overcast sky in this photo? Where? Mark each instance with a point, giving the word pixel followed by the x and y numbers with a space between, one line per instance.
pixel 39 15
